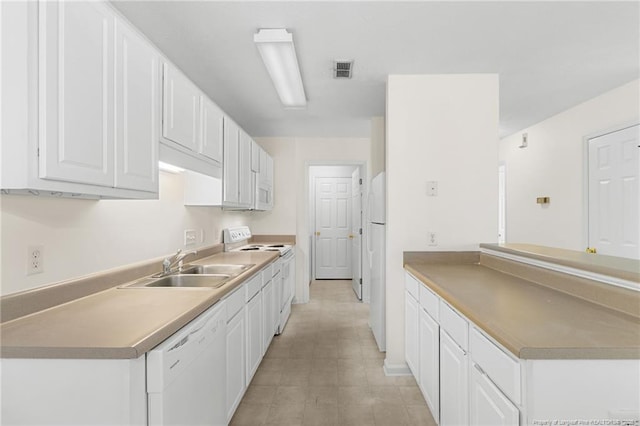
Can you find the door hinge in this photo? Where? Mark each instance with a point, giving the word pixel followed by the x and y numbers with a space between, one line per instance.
pixel 38 152
pixel 360 279
pixel 360 231
pixel 360 181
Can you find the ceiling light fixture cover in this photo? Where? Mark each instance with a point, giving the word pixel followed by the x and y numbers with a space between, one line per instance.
pixel 279 56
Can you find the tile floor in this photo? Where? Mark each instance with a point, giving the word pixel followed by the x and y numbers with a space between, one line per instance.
pixel 325 369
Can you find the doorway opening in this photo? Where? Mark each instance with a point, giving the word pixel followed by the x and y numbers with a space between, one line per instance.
pixel 336 214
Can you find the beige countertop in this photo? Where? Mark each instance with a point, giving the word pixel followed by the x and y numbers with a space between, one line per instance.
pixel 530 320
pixel 118 323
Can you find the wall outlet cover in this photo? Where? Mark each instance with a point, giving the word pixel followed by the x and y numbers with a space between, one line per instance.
pixel 35 259
pixel 190 237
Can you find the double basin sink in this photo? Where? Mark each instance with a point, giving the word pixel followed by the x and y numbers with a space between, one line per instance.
pixel 212 276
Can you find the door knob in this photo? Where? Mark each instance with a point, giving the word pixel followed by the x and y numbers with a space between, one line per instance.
pixel 351 236
pixel 317 233
pixel 591 250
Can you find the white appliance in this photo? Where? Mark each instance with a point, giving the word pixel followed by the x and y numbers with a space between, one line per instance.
pixel 376 248
pixel 186 377
pixel 263 199
pixel 237 239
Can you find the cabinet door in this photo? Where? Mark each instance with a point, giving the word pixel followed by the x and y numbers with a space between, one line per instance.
pixel 429 360
pixel 137 111
pixel 267 316
pixel 269 171
pixel 76 92
pixel 411 338
pixel 230 193
pixel 212 129
pixel 454 385
pixel 255 157
pixel 253 315
pixel 487 405
pixel 180 109
pixel 244 171
pixel 236 367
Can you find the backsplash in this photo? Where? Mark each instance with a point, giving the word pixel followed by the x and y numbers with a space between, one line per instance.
pixel 80 237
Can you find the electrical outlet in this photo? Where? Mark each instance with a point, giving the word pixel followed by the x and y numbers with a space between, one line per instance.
pixel 35 259
pixel 189 237
pixel 432 240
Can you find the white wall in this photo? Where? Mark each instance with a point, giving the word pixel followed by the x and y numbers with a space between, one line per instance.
pixel 81 237
pixel 439 128
pixel 292 157
pixel 553 165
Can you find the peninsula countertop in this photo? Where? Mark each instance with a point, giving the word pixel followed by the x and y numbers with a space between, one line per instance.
pixel 530 320
pixel 119 323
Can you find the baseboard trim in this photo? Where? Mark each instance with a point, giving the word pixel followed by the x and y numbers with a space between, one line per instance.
pixel 396 369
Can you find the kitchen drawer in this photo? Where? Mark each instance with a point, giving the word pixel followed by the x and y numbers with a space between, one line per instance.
pixel 455 325
pixel 429 302
pixel 267 274
pixel 501 368
pixel 234 302
pixel 412 285
pixel 253 286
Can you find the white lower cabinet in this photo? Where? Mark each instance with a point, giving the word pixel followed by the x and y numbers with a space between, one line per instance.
pixel 429 362
pixel 253 313
pixel 79 392
pixel 454 385
pixel 236 366
pixel 487 405
pixel 411 339
pixel 268 315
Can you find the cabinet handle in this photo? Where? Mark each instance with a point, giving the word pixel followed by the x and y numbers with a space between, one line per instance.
pixel 480 370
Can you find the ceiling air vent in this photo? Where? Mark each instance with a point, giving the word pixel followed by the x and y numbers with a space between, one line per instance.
pixel 342 69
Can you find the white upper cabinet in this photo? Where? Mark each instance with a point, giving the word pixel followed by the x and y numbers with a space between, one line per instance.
pixel 137 111
pixel 180 109
pixel 244 171
pixel 255 156
pixel 237 183
pixel 212 119
pixel 96 106
pixel 76 81
pixel 230 189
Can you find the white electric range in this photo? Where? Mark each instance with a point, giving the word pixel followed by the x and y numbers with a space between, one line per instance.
pixel 237 239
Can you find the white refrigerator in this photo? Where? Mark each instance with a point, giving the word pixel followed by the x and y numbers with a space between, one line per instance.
pixel 376 248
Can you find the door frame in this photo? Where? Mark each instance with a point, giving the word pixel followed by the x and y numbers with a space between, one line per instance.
pixel 310 212
pixel 585 173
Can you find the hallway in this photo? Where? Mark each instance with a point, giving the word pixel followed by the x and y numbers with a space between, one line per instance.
pixel 325 369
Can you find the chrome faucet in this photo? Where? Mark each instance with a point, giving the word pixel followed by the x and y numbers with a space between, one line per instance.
pixel 176 259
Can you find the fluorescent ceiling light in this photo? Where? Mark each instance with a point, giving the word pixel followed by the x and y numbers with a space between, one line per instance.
pixel 279 56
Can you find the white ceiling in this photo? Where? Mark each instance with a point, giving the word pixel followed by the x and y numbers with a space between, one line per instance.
pixel 550 55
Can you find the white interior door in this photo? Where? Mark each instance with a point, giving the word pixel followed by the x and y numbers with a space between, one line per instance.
pixel 614 164
pixel 356 228
pixel 333 228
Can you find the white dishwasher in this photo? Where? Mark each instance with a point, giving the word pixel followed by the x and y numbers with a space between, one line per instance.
pixel 186 377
